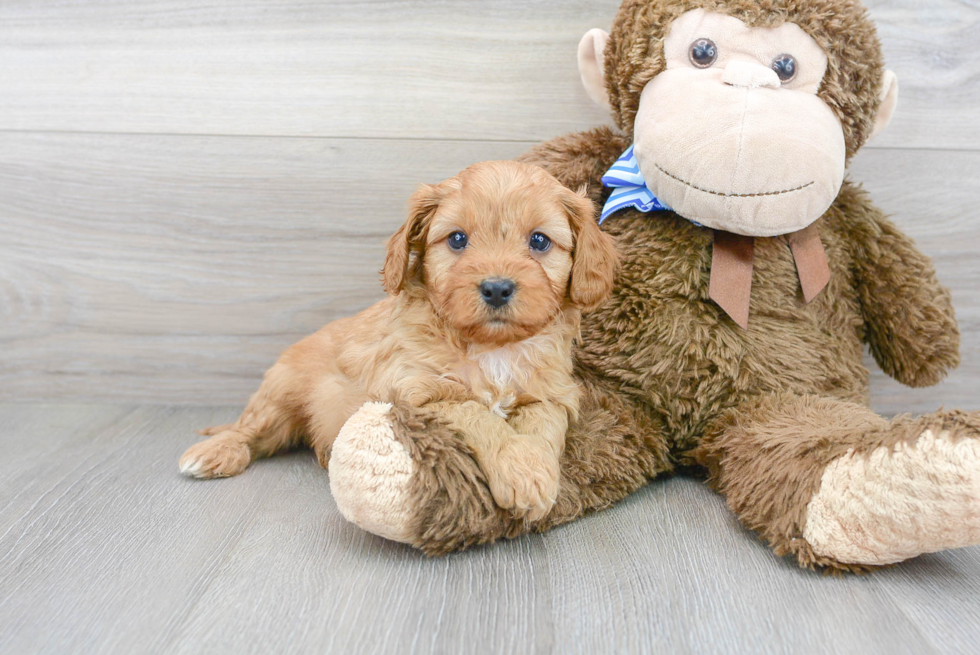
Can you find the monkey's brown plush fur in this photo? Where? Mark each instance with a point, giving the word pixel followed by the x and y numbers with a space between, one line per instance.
pixel 670 382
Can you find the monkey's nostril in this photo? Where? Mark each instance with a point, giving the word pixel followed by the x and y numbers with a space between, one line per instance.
pixel 497 292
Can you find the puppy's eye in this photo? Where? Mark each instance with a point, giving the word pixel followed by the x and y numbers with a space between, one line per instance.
pixel 703 53
pixel 457 240
pixel 540 242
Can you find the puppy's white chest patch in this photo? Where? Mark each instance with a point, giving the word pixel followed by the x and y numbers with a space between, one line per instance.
pixel 498 366
pixel 504 372
pixel 498 379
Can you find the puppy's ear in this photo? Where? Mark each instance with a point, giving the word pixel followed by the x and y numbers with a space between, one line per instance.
pixel 410 237
pixel 594 257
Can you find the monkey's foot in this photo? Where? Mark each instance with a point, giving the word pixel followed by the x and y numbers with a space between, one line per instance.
pixel 370 472
pixel 899 501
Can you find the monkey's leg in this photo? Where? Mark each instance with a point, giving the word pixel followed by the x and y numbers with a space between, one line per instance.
pixel 836 485
pixel 409 477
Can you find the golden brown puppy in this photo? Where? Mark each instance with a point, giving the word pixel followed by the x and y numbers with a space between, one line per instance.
pixel 487 280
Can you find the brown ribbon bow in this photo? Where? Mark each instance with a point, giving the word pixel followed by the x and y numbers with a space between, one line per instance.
pixel 731 269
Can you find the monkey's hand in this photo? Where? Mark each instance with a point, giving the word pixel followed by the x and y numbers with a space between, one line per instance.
pixel 909 321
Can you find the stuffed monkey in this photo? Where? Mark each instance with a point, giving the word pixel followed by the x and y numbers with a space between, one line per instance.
pixel 753 272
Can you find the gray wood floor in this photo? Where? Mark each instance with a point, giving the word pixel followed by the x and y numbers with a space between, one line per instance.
pixel 105 548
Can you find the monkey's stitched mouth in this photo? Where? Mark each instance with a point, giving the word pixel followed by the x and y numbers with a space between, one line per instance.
pixel 732 195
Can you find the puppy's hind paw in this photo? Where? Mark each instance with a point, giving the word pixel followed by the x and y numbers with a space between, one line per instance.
pixel 215 458
pixel 215 429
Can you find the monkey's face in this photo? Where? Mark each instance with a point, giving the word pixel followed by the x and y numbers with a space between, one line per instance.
pixel 732 134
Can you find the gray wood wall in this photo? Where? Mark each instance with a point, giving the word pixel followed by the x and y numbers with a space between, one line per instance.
pixel 187 188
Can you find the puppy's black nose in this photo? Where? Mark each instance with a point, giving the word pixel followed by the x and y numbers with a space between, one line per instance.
pixel 497 291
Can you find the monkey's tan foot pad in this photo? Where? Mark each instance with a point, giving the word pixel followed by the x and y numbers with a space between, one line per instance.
pixel 897 502
pixel 370 473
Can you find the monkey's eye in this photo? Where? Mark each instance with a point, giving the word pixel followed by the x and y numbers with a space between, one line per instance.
pixel 457 240
pixel 540 242
pixel 785 67
pixel 703 53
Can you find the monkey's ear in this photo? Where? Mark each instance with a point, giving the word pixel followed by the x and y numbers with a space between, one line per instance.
pixel 591 65
pixel 889 99
pixel 410 237
pixel 594 256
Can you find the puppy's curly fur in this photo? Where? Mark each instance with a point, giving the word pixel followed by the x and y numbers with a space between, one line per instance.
pixel 501 375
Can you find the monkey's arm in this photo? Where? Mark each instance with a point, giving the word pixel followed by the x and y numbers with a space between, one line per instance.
pixel 580 159
pixel 909 321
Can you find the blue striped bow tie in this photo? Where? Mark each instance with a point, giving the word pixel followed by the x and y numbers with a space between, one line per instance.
pixel 629 188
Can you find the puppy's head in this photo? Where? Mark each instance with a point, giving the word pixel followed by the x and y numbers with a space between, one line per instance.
pixel 500 250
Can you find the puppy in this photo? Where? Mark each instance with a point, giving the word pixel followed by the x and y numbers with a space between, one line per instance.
pixel 487 280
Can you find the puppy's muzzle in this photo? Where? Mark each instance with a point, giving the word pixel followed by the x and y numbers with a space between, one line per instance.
pixel 497 291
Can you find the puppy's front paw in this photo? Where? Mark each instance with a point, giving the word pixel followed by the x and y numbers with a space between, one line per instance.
pixel 215 458
pixel 524 477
